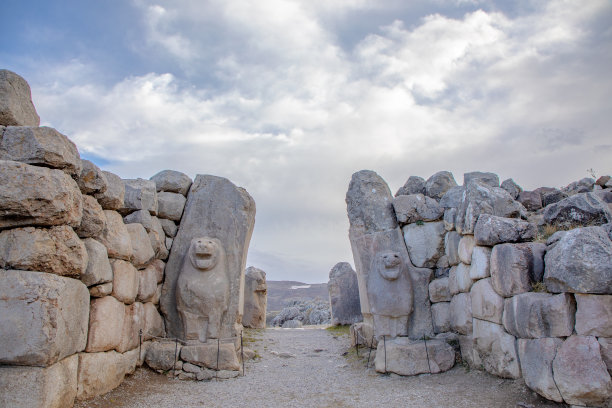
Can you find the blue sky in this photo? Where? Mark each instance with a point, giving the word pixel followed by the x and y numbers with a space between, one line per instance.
pixel 289 98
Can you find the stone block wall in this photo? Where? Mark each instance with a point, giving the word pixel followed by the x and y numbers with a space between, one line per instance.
pixel 523 280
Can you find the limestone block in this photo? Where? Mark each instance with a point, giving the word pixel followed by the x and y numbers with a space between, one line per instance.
pixel 160 356
pixel 172 181
pixel 466 246
pixel 112 198
pixel 490 179
pixel 147 283
pixel 29 387
pixel 140 194
pixel 496 349
pixel 142 251
pixel 491 230
pixel 583 185
pixel 169 226
pixel 580 209
pixel 91 180
pixel 452 198
pixel 98 267
pixel 37 196
pixel 140 217
pixel 514 267
pixel 459 279
pixel 153 325
pixel 486 304
pixel 414 185
pixel 594 315
pixel 416 207
pixel 169 242
pixel 580 262
pixel 43 317
pixel 342 288
pixel 16 107
pixel 450 214
pixel 205 355
pixel 56 250
pixel 536 357
pixel 106 318
pixel 531 200
pixel 125 281
pixel 101 290
pixel 116 237
pixel 100 373
pixel 170 205
pixel 157 237
pixel 468 354
pixel 438 184
pixel 605 345
pixel 41 146
pixel 480 198
pixel 461 313
pixel 157 296
pixel 216 208
pixel 535 315
pixel 408 357
pixel 133 322
pixel 93 222
pixel 550 195
pixel 440 315
pixel 438 290
pixel 480 267
pixel 581 374
pixel 158 265
pixel 512 188
pixel 451 247
pixel 425 243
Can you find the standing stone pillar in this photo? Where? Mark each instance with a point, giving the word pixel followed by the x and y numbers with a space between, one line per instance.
pixel 393 293
pixel 203 294
pixel 255 298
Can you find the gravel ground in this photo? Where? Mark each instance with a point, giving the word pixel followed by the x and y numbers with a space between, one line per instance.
pixel 316 374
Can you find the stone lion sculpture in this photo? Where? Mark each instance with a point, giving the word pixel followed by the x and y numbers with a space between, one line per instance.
pixel 390 294
pixel 202 291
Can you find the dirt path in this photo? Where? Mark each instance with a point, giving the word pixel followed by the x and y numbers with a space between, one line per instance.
pixel 316 374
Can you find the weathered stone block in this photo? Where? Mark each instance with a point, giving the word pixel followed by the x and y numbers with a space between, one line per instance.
pixel 133 322
pixel 438 290
pixel 101 290
pixel 140 194
pixel 459 279
pixel 440 315
pixel 42 146
pixel 98 267
pixel 468 354
pixel 125 281
pixel 170 205
pixel 535 315
pixel 496 349
pixel 153 325
pixel 43 317
pixel 172 181
pixel 116 237
pixel 580 209
pixel 491 230
pixel 425 243
pixel 142 251
pixel 480 267
pixel 536 357
pixel 465 248
pixel 416 207
pixel 169 226
pixel 461 313
pixel 106 318
pixel 438 184
pixel 147 283
pixel 514 267
pixel 490 179
pixel 112 198
pixel 37 196
pixel 16 107
pixel 605 345
pixel 91 179
pixel 100 373
pixel 594 315
pixel 93 222
pixel 56 250
pixel 161 356
pixel 205 355
pixel 486 303
pixel 31 387
pixel 409 357
pixel 511 187
pixel 450 214
pixel 451 247
pixel 414 185
pixel 343 296
pixel 531 200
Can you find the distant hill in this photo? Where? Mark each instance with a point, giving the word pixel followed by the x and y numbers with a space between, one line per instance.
pixel 280 292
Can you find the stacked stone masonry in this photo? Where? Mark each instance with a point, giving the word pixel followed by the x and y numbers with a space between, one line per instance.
pixel 521 280
pixel 82 257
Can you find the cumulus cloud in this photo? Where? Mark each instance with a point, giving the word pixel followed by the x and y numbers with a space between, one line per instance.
pixel 270 95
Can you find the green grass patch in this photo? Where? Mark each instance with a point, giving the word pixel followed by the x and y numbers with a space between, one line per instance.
pixel 339 330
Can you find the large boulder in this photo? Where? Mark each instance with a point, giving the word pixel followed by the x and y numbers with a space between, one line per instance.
pixel 116 237
pixel 581 374
pixel 416 207
pixel 451 247
pixel 163 355
pixel 93 222
pixel 98 269
pixel 147 283
pixel 411 357
pixel 491 230
pixel 496 349
pixel 216 210
pixel 459 279
pixel 100 373
pixel 465 248
pixel 550 195
pixel 594 315
pixel 172 181
pixel 142 251
pixel 143 217
pixel 515 267
pixel 438 290
pixel 583 185
pixel 112 198
pixel 425 243
pixel 170 228
pixel 211 355
pixel 461 313
pixel 481 261
pixel 106 318
pixel 578 210
pixel 414 185
pixel 468 353
pixel 140 194
pixel 486 303
pixel 440 315
pixel 153 325
pixel 512 188
pixel 343 295
pixel 438 184
pixel 158 239
pixel 91 180
pixel 16 107
pixel 480 198
pixel 536 357
pixel 580 262
pixel 452 198
pixel 56 250
pixel 170 205
pixel 43 317
pixel 535 315
pixel 50 387
pixel 42 146
pixel 37 196
pixel 531 200
pixel 491 179
pixel 133 323
pixel 125 281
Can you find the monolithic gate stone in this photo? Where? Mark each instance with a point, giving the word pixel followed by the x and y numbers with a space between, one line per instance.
pixel 344 294
pixel 255 298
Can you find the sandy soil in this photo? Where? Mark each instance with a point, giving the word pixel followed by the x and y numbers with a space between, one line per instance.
pixel 317 374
